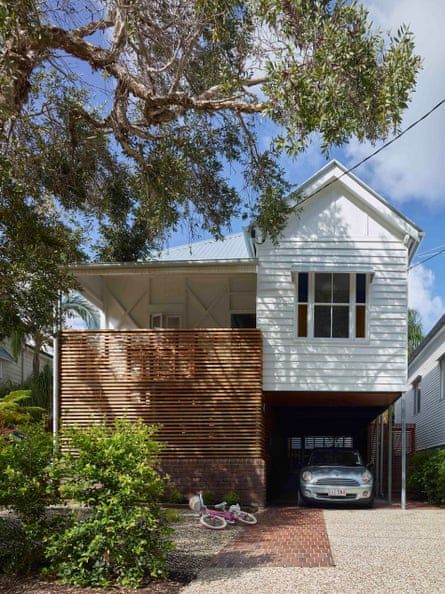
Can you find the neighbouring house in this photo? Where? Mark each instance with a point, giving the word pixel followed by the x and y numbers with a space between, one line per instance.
pixel 17 371
pixel 425 400
pixel 248 353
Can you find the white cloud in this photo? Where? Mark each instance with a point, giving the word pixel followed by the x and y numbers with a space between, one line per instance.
pixel 421 298
pixel 413 167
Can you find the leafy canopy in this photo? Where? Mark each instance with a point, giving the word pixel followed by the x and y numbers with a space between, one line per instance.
pixel 122 121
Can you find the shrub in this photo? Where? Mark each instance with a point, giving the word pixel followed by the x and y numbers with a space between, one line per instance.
pixel 125 534
pixel 25 472
pixel 26 488
pixel 39 389
pixel 209 498
pixel 14 410
pixel 20 553
pixel 231 498
pixel 426 478
pixel 174 495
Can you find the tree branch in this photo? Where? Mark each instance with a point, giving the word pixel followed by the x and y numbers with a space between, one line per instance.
pixel 94 26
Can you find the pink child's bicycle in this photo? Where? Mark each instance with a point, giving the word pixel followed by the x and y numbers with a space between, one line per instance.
pixel 221 515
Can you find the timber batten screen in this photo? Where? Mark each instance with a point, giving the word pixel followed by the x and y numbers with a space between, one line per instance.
pixel 202 386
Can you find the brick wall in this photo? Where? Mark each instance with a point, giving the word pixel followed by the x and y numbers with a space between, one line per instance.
pixel 245 476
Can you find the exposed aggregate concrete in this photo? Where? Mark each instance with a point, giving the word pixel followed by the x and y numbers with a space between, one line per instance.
pixel 375 551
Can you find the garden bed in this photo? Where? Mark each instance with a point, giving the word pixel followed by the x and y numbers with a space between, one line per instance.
pixel 194 548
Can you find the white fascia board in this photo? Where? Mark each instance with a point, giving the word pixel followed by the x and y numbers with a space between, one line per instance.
pixel 334 171
pixel 167 267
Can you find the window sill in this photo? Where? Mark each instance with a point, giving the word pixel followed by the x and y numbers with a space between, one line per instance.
pixel 337 341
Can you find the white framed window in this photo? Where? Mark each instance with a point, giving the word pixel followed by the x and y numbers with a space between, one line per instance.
pixel 331 305
pixel 156 321
pixel 442 377
pixel 417 395
pixel 173 321
pixel 165 320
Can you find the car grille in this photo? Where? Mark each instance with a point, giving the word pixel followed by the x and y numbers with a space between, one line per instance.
pixel 338 482
pixel 330 497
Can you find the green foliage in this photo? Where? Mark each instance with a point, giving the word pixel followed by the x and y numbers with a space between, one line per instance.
pixel 174 495
pixel 209 498
pixel 426 478
pixel 38 387
pixel 415 330
pixel 231 498
pixel 41 387
pixel 14 411
pixel 25 482
pixel 35 248
pixel 27 489
pixel 125 534
pixel 75 304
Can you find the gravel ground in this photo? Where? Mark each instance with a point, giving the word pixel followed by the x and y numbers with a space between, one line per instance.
pixel 194 546
pixel 375 551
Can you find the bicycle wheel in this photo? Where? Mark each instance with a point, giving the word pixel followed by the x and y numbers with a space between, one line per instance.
pixel 246 518
pixel 213 522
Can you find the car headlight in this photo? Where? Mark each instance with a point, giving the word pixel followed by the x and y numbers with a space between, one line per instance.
pixel 306 476
pixel 366 477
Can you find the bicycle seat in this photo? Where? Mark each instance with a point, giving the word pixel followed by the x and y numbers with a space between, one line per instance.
pixel 221 506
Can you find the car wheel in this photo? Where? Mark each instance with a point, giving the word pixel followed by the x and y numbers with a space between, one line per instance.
pixel 301 501
pixel 369 504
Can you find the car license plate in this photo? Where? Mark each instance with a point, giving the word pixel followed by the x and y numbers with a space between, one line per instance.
pixel 337 492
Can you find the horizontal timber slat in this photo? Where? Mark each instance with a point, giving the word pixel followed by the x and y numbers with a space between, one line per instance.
pixel 203 387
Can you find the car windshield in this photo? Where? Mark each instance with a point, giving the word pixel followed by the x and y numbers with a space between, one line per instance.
pixel 335 458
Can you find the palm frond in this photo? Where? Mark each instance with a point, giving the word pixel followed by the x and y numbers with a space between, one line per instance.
pixel 75 304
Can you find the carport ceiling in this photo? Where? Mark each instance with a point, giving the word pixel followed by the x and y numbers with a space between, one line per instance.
pixel 334 399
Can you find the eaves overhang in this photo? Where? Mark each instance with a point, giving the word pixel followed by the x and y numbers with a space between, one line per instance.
pixel 153 266
pixel 428 338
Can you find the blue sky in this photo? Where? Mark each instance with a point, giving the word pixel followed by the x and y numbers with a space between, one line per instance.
pixel 410 174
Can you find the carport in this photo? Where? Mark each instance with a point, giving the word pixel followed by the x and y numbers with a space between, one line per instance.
pixel 298 422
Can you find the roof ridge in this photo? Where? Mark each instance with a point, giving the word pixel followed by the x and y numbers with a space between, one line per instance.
pixel 203 241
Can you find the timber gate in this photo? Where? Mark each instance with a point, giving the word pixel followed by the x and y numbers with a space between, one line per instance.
pixel 375 450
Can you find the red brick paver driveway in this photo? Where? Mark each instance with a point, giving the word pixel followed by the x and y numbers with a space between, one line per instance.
pixel 283 537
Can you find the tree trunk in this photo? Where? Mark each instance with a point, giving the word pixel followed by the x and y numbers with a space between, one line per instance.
pixel 38 343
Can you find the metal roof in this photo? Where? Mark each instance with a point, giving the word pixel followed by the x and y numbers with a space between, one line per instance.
pixel 431 334
pixel 232 247
pixel 5 356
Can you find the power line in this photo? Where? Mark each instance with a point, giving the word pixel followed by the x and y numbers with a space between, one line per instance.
pixel 427 259
pixel 427 252
pixel 380 149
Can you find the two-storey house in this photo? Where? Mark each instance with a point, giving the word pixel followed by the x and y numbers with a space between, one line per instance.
pixel 249 353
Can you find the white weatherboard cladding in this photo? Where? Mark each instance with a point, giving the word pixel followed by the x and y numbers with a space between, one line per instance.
pixel 334 231
pixel 16 372
pixel 430 421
